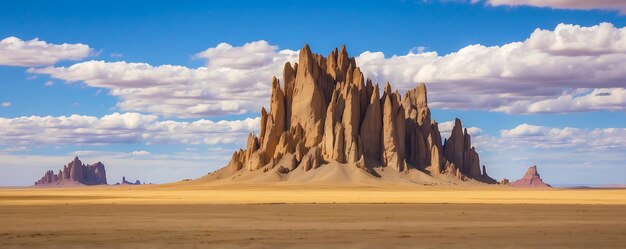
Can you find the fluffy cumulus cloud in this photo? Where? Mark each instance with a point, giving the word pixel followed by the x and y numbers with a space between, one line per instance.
pixel 250 55
pixel 581 68
pixel 119 128
pixel 234 81
pixel 567 69
pixel 575 101
pixel 201 131
pixel 17 52
pixel 542 137
pixel 619 5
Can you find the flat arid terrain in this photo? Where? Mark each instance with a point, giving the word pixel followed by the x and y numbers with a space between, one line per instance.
pixel 273 215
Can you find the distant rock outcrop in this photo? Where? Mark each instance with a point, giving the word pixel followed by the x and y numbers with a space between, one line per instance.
pixel 530 180
pixel 125 182
pixel 76 172
pixel 328 112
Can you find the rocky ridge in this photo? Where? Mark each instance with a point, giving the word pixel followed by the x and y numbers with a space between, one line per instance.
pixel 126 182
pixel 327 112
pixel 76 172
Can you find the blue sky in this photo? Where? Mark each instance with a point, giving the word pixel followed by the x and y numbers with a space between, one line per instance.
pixel 177 32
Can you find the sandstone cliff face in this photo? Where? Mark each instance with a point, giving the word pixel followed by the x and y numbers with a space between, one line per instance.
pixel 76 172
pixel 531 179
pixel 328 112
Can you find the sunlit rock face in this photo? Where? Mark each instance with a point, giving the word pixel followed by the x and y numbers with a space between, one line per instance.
pixel 327 111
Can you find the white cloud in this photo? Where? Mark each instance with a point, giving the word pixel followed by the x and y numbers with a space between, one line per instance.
pixel 119 128
pixel 574 101
pixel 140 153
pixel 249 56
pixel 550 64
pixel 619 5
pixel 202 131
pixel 236 80
pixel 526 135
pixel 6 104
pixel 559 70
pixel 16 52
pixel 49 83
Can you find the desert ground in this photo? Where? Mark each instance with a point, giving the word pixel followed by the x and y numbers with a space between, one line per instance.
pixel 272 215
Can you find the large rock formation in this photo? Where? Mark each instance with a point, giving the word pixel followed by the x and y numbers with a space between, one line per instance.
pixel 530 180
pixel 327 112
pixel 76 172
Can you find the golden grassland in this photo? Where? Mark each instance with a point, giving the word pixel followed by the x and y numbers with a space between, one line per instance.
pixel 185 215
pixel 180 193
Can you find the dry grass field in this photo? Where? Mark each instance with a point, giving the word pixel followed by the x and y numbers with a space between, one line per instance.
pixel 287 216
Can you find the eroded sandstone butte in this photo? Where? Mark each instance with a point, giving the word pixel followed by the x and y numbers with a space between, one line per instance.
pixel 126 182
pixel 76 173
pixel 327 112
pixel 531 179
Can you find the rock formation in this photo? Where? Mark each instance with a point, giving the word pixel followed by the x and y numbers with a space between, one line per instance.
pixel 327 111
pixel 76 172
pixel 530 180
pixel 125 182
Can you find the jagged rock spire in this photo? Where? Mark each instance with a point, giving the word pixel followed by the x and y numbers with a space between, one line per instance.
pixel 458 150
pixel 76 172
pixel 328 111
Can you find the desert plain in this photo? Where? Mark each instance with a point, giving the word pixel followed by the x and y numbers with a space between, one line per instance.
pixel 274 215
